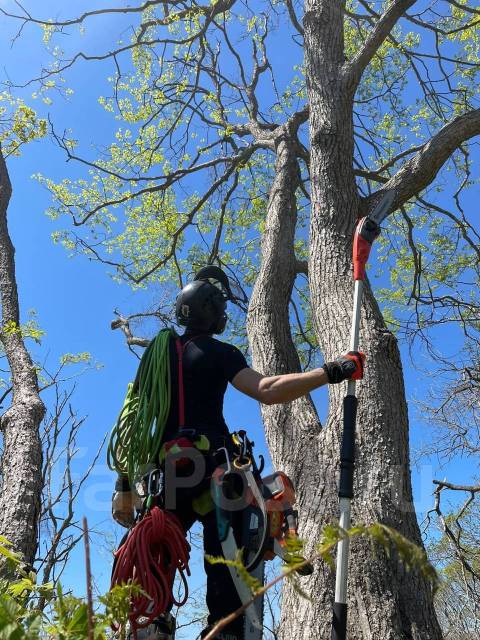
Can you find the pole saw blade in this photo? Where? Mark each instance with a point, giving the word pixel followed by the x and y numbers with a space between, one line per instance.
pixel 382 208
pixel 252 631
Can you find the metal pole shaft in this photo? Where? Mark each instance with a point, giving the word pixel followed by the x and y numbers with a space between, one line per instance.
pixel 355 332
pixel 347 462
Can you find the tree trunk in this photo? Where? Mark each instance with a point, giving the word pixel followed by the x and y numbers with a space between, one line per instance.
pixel 385 603
pixel 21 464
pixel 273 351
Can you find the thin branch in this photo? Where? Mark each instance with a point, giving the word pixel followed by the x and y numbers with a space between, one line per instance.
pixel 294 18
pixel 418 172
pixel 124 324
pixel 355 68
pixel 457 487
pixel 67 23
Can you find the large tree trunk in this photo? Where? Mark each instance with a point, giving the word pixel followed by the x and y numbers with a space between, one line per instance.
pixel 288 427
pixel 21 464
pixel 385 603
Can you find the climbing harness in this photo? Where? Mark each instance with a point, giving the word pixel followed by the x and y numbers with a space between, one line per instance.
pixel 163 628
pixel 255 519
pixel 367 230
pixel 137 436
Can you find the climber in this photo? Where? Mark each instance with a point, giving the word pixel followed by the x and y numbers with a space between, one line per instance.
pixel 207 366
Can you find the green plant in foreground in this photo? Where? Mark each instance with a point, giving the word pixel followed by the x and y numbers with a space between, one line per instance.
pixel 67 617
pixel 393 543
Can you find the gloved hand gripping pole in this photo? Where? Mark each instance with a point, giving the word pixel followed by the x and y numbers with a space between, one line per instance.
pixel 366 231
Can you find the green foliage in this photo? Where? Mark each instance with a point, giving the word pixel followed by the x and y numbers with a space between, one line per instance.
pixel 17 622
pixel 125 199
pixel 253 584
pixel 18 617
pixel 75 358
pixel 7 554
pixel 393 544
pixel 67 616
pixel 438 263
pixel 116 605
pixel 143 205
pixel 19 124
pixel 30 329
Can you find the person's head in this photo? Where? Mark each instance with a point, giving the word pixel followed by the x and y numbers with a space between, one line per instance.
pixel 201 305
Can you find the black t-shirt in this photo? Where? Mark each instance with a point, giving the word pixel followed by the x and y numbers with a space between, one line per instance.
pixel 208 366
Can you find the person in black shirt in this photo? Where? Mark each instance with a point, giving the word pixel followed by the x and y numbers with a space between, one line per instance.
pixel 207 366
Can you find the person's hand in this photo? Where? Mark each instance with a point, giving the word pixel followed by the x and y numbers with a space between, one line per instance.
pixel 347 367
pixel 123 503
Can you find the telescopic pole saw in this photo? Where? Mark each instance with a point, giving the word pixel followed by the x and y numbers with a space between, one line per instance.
pixel 367 229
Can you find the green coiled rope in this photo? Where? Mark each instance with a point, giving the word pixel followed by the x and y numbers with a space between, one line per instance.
pixel 136 438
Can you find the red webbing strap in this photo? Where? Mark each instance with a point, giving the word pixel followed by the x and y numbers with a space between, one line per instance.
pixel 181 391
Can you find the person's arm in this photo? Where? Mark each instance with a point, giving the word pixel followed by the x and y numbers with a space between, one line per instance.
pixel 278 389
pixel 290 386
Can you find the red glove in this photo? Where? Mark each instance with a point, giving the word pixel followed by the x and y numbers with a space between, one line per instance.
pixel 347 367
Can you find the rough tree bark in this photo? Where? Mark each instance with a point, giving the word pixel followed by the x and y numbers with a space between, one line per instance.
pixel 21 464
pixel 385 603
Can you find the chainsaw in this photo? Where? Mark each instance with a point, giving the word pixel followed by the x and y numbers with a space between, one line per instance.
pixel 256 522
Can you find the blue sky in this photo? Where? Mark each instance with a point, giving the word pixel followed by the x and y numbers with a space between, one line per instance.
pixel 75 299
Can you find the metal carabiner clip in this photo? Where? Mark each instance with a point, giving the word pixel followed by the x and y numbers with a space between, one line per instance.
pixel 155 483
pixel 227 459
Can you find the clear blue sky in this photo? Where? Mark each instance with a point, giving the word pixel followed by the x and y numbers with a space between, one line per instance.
pixel 75 299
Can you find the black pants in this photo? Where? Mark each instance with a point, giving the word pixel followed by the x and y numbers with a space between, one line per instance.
pixel 222 597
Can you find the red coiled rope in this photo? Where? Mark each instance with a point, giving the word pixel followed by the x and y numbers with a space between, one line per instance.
pixel 153 551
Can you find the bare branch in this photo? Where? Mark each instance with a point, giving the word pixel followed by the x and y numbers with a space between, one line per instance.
pixel 88 14
pixel 457 487
pixel 453 528
pixel 124 324
pixel 381 31
pixel 419 171
pixel 58 526
pixel 208 11
pixel 293 17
